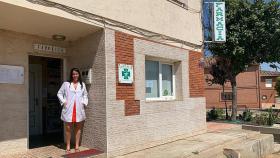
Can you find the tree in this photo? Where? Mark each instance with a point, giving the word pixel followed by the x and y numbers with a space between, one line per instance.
pixel 253 36
pixel 218 71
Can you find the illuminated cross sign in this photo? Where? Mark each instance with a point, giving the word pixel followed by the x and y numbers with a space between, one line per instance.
pixel 219 22
pixel 125 73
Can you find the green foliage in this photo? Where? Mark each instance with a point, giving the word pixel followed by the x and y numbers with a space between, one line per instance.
pixel 271 117
pixel 277 120
pixel 215 114
pixel 165 92
pixel 247 115
pixel 218 72
pixel 267 118
pixel 277 86
pixel 253 34
pixel 260 119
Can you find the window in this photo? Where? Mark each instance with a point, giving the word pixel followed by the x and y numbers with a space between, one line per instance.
pixel 160 80
pixel 226 95
pixel 152 79
pixel 268 83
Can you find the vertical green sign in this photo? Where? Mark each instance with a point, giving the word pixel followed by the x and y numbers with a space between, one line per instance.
pixel 219 22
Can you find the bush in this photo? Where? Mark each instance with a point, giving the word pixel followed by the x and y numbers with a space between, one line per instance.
pixel 215 114
pixel 260 119
pixel 247 115
pixel 271 117
pixel 277 120
pixel 268 118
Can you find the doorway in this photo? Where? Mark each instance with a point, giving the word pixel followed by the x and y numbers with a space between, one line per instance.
pixel 45 79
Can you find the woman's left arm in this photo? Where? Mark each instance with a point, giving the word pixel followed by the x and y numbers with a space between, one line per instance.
pixel 85 95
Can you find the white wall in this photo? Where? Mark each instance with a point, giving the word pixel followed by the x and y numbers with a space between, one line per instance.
pixel 160 16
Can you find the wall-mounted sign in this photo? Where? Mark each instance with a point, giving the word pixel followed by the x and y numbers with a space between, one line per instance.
pixel 11 74
pixel 86 75
pixel 49 48
pixel 125 73
pixel 219 22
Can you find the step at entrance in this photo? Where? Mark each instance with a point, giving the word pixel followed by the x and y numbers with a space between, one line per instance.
pixel 84 154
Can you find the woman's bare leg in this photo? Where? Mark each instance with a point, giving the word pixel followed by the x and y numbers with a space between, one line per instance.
pixel 68 134
pixel 78 127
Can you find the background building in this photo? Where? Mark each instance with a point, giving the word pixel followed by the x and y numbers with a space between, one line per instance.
pixel 268 95
pixel 255 90
pixel 40 41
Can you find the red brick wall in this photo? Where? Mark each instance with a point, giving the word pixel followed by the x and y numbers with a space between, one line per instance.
pixel 196 75
pixel 270 92
pixel 124 50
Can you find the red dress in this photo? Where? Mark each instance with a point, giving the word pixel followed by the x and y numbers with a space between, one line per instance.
pixel 74 111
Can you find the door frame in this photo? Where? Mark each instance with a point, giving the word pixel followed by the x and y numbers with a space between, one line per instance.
pixel 64 71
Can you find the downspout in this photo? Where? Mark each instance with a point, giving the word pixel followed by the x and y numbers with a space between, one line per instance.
pixel 259 89
pixel 202 26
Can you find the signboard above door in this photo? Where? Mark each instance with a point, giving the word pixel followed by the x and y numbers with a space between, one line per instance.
pixel 49 48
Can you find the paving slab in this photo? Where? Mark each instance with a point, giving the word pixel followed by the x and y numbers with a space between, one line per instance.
pixel 197 146
pixel 41 152
pixel 208 145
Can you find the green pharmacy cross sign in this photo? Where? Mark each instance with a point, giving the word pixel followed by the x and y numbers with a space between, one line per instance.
pixel 125 73
pixel 219 22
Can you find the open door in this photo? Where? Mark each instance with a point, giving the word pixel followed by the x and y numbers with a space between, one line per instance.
pixel 35 99
pixel 45 79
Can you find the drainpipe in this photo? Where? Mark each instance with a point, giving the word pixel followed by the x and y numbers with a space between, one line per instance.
pixel 259 89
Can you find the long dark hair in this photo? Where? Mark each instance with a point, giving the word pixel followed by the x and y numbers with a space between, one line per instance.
pixel 79 79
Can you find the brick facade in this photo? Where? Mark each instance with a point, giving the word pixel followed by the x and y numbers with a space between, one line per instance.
pixel 250 90
pixel 196 75
pixel 159 122
pixel 247 90
pixel 124 49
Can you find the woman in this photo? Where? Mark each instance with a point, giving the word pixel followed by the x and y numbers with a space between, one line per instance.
pixel 73 97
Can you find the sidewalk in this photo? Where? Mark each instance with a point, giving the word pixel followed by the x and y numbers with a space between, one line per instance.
pixel 210 144
pixel 42 152
pixel 214 126
pixel 218 133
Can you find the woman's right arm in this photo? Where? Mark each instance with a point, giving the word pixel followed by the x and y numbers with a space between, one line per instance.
pixel 61 94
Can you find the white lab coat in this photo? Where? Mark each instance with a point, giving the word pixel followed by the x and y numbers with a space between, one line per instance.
pixel 67 93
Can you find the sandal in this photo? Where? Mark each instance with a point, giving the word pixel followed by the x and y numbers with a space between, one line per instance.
pixel 77 150
pixel 68 151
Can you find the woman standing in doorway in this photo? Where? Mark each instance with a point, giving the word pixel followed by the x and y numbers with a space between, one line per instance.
pixel 73 97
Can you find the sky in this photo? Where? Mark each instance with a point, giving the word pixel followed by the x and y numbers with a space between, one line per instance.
pixel 265 66
pixel 207 27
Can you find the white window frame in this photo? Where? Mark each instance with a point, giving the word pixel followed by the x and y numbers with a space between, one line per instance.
pixel 161 97
pixel 268 85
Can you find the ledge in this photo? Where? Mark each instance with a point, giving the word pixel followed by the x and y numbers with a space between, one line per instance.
pixel 265 130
